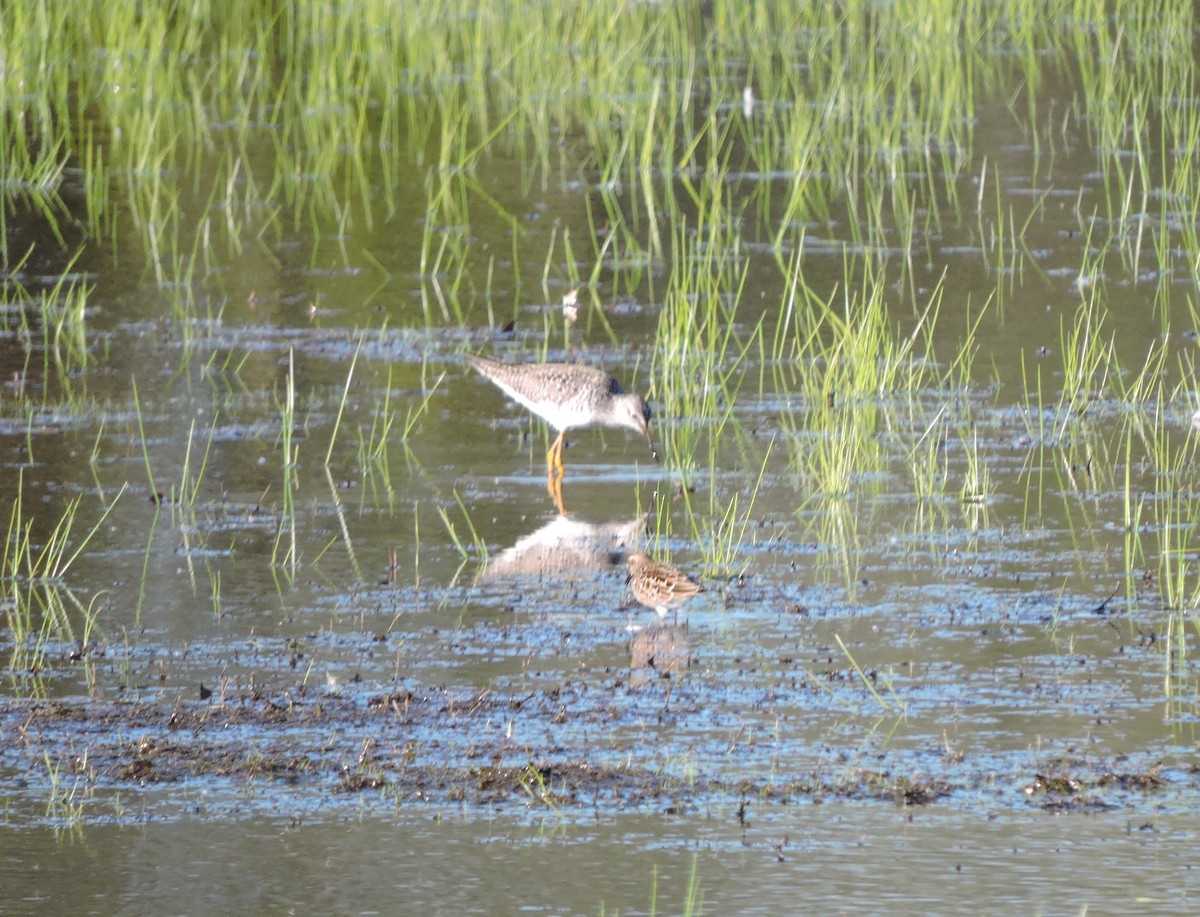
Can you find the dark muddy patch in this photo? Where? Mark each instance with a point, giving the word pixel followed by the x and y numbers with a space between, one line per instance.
pixel 573 746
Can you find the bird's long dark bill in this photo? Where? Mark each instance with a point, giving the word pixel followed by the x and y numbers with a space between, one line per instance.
pixel 653 451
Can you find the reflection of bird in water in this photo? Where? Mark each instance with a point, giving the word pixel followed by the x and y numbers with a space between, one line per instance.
pixel 566 546
pixel 567 396
pixel 662 649
pixel 657 585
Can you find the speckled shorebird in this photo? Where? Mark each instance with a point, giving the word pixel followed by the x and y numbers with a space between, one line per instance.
pixel 657 585
pixel 568 397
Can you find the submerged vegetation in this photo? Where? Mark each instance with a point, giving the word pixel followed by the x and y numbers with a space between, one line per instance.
pixel 912 288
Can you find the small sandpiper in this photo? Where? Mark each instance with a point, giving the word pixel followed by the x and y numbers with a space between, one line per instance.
pixel 657 585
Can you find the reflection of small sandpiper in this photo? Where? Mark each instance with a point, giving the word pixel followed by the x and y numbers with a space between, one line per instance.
pixel 657 585
pixel 568 397
pixel 659 652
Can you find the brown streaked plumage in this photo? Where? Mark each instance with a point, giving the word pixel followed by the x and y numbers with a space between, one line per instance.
pixel 657 585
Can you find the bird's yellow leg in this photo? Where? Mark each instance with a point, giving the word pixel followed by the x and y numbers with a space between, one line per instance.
pixel 554 465
pixel 550 457
pixel 556 493
pixel 554 475
pixel 558 462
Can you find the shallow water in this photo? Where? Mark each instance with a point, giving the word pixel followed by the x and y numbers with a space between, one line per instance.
pixel 831 859
pixel 886 700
